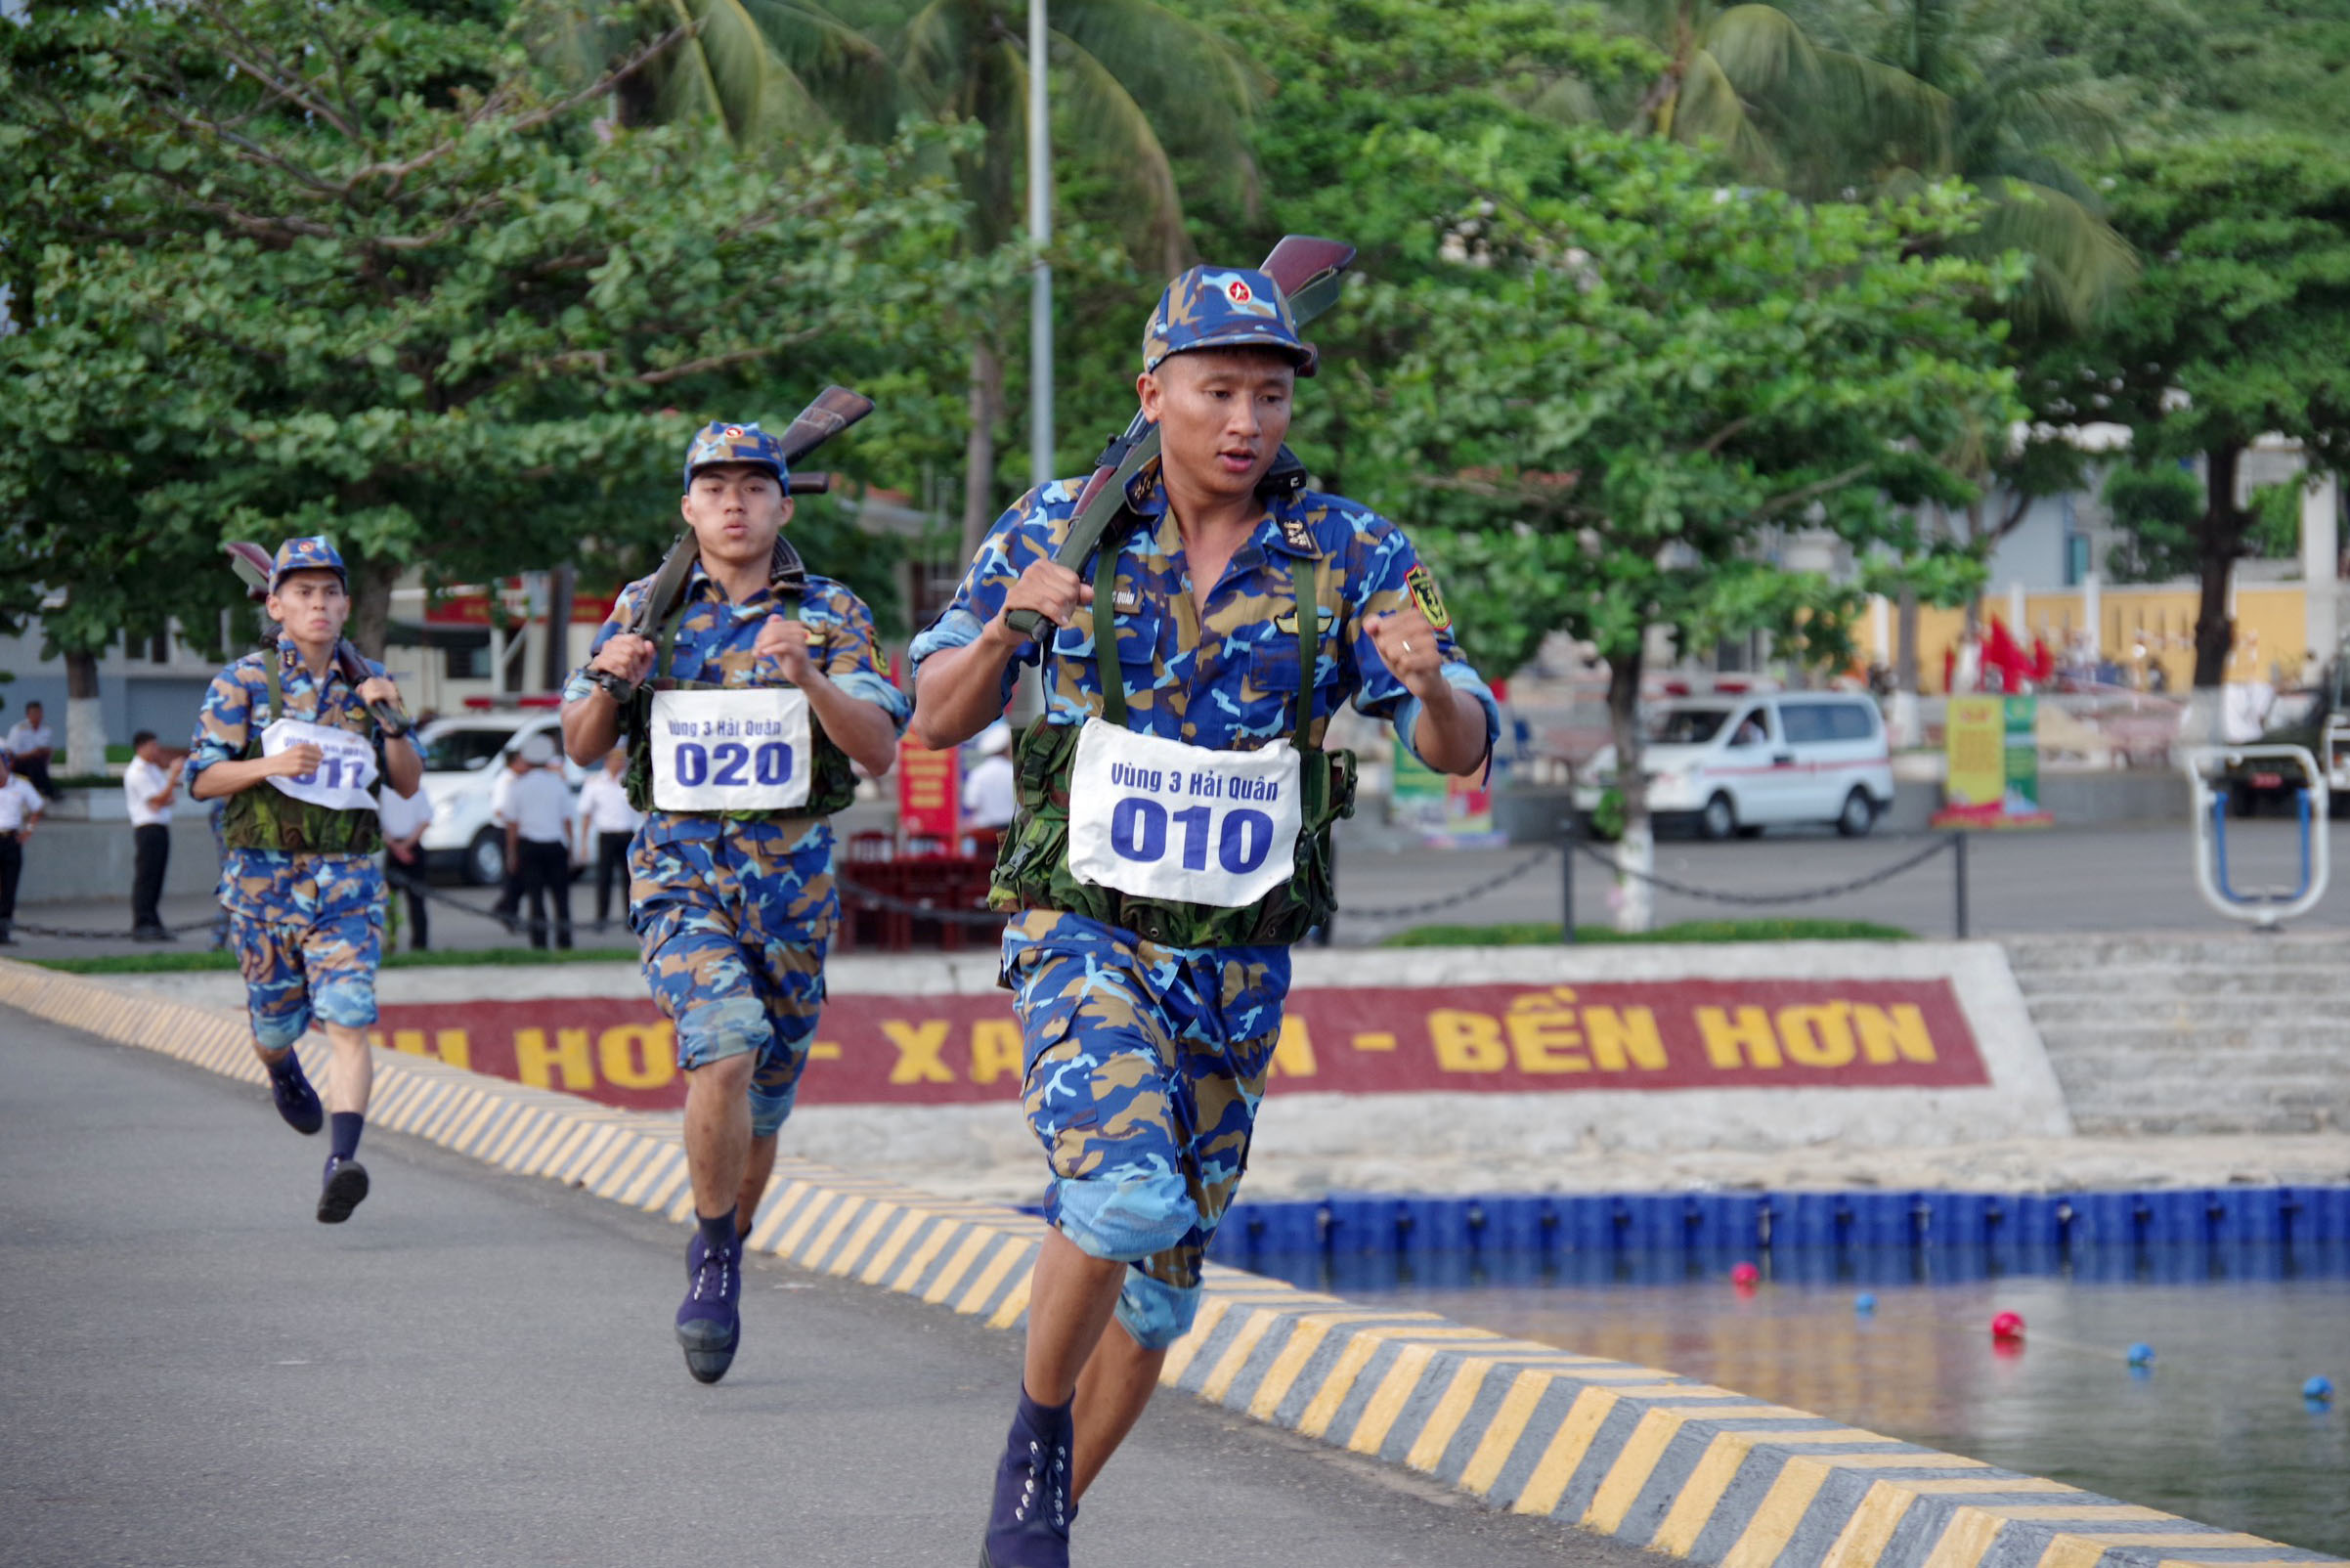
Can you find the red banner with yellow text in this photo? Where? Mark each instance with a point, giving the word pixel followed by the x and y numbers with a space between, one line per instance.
pixel 1511 1039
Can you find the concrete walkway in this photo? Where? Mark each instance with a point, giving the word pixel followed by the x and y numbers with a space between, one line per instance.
pixel 478 1369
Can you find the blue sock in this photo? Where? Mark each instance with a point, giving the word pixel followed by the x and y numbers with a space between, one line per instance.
pixel 718 1231
pixel 343 1128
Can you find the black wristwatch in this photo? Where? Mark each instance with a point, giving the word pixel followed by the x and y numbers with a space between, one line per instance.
pixel 619 690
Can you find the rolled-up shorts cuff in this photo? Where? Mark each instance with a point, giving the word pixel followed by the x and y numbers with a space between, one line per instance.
pixel 1123 1219
pixel 278 1032
pixel 346 1001
pixel 1154 1313
pixel 713 1032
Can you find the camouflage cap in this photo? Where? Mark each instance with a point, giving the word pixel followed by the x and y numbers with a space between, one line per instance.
pixel 312 555
pixel 718 442
pixel 1223 307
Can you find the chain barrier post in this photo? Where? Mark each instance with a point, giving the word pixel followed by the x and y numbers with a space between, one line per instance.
pixel 1958 881
pixel 1571 826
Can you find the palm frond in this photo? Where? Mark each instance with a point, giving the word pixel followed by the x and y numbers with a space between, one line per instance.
pixel 2080 265
pixel 1710 108
pixel 1107 117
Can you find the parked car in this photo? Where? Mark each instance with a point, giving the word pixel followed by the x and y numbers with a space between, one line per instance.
pixel 462 756
pixel 1729 765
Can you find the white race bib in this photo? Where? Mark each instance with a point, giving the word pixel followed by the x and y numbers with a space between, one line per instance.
pixel 743 750
pixel 344 780
pixel 1161 819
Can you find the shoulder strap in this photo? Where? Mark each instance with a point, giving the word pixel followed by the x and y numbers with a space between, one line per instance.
pixel 1107 672
pixel 1309 647
pixel 276 685
pixel 660 598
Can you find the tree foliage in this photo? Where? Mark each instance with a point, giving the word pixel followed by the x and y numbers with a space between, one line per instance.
pixel 366 271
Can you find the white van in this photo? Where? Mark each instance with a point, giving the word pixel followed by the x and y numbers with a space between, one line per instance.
pixel 462 756
pixel 1740 764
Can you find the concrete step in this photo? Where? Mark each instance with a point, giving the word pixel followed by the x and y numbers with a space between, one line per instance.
pixel 2090 952
pixel 2219 1047
pixel 2138 984
pixel 2229 1010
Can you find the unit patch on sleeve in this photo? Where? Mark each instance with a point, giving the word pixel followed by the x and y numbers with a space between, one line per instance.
pixel 1296 532
pixel 1422 584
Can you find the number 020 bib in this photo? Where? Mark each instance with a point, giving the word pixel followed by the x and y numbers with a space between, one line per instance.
pixel 1161 819
pixel 743 750
pixel 344 780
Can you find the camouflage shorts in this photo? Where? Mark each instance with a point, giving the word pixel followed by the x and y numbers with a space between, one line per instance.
pixel 732 930
pixel 308 931
pixel 1144 1068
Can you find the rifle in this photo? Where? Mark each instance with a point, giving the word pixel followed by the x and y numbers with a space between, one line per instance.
pixel 253 566
pixel 1310 273
pixel 833 411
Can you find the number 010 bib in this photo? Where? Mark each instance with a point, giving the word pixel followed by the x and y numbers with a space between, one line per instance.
pixel 744 750
pixel 344 780
pixel 1159 819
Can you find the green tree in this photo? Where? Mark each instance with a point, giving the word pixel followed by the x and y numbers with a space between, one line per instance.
pixel 2240 328
pixel 2156 509
pixel 366 272
pixel 1609 421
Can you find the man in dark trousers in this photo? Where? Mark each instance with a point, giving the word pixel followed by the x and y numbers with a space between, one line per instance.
pixel 538 835
pixel 19 808
pixel 149 786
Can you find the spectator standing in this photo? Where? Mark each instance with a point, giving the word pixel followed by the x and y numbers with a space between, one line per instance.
pixel 608 825
pixel 502 812
pixel 29 745
pixel 988 801
pixel 149 786
pixel 19 808
pixel 537 838
pixel 404 819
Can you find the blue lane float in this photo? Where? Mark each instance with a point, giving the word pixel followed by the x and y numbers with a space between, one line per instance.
pixel 1874 1236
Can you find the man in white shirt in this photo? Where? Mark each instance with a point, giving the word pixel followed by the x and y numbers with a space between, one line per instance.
pixel 403 819
pixel 608 825
pixel 28 747
pixel 19 808
pixel 988 800
pixel 502 812
pixel 537 838
pixel 148 785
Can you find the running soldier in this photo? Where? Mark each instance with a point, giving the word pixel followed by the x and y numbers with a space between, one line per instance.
pixel 291 746
pixel 1172 840
pixel 745 687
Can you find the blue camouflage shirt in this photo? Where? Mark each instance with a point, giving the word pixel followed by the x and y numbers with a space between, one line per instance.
pixel 235 712
pixel 713 645
pixel 1226 681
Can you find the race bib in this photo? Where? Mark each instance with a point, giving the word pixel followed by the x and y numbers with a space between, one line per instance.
pixel 744 750
pixel 1161 819
pixel 344 780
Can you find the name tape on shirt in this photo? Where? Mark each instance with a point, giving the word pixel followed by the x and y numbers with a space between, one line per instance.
pixel 344 780
pixel 1161 819
pixel 744 750
pixel 1421 583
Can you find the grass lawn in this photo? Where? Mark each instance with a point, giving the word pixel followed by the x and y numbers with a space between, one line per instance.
pixel 178 963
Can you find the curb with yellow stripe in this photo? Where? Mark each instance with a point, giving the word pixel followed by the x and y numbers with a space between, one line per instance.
pixel 1650 1458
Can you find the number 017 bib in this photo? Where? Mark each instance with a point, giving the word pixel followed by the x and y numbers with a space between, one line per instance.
pixel 743 750
pixel 345 777
pixel 1159 819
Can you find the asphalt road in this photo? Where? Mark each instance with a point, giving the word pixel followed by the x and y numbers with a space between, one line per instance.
pixel 2020 882
pixel 478 1369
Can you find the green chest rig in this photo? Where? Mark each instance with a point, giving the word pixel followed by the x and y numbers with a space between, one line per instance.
pixel 265 817
pixel 834 786
pixel 1032 869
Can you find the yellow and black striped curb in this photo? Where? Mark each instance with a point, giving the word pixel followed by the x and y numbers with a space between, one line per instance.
pixel 1648 1456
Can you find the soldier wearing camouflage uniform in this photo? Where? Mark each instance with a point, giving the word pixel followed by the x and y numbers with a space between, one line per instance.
pixel 1172 840
pixel 742 704
pixel 288 743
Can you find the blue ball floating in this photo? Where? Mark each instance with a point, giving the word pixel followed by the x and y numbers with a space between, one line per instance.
pixel 1864 1303
pixel 2319 1390
pixel 2141 1354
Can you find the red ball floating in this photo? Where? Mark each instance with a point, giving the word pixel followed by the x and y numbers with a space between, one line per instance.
pixel 1745 1275
pixel 2008 1326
